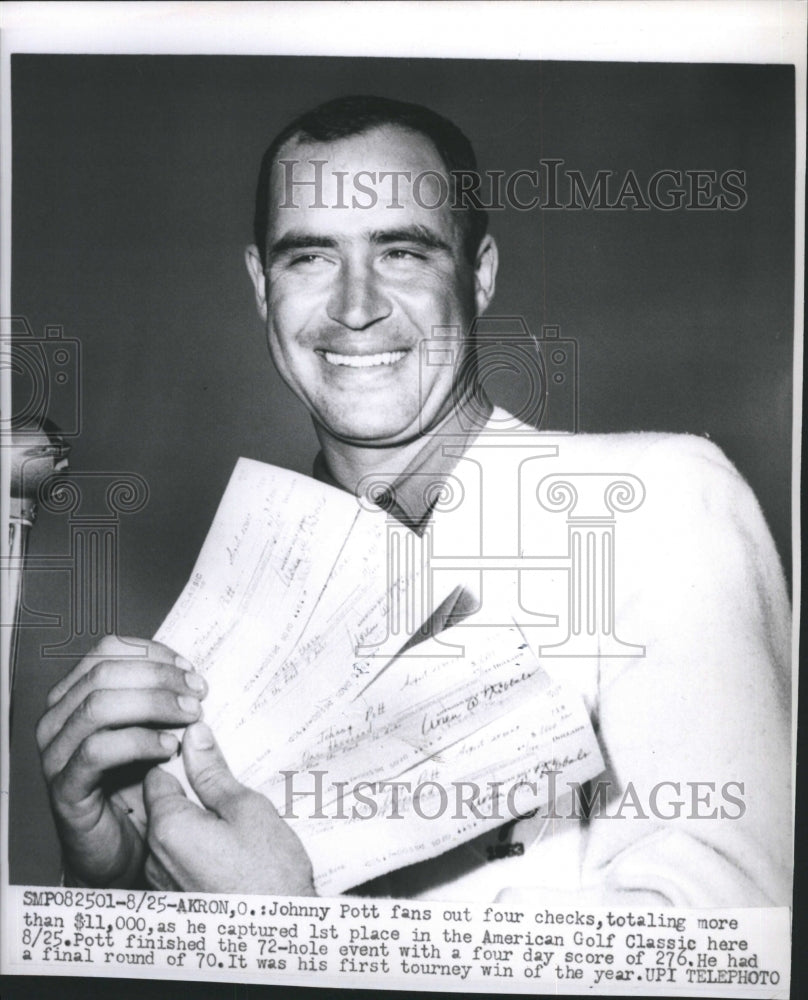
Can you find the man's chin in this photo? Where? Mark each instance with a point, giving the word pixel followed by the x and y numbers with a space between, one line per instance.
pixel 370 434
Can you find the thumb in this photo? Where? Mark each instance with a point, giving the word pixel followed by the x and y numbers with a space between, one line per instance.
pixel 207 770
pixel 162 793
pixel 159 788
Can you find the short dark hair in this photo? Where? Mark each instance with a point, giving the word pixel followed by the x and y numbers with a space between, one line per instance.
pixel 353 115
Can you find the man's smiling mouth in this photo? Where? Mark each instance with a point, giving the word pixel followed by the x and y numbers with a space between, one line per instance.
pixel 363 360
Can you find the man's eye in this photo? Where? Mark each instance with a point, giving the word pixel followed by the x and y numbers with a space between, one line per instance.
pixel 304 259
pixel 399 253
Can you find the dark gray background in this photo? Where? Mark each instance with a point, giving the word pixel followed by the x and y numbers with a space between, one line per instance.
pixel 133 182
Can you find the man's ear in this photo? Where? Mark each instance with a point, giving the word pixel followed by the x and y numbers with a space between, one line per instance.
pixel 255 269
pixel 485 273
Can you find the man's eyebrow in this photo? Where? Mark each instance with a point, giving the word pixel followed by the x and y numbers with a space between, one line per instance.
pixel 297 240
pixel 420 235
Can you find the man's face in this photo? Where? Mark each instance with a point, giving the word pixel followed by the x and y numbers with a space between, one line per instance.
pixel 352 291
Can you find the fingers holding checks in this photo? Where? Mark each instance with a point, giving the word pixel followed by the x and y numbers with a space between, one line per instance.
pixel 108 712
pixel 86 694
pixel 209 773
pixel 100 752
pixel 209 776
pixel 115 647
pixel 236 843
pixel 113 710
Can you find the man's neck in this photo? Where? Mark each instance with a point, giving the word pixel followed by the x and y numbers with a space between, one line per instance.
pixel 349 464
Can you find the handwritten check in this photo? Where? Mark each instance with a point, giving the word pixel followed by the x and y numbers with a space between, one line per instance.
pixel 309 635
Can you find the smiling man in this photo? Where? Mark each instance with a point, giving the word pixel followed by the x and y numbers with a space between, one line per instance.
pixel 364 247
pixel 349 285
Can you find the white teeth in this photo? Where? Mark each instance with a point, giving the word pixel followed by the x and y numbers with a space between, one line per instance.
pixel 363 360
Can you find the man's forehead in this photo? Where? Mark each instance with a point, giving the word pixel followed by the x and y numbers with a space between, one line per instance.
pixel 383 147
pixel 387 173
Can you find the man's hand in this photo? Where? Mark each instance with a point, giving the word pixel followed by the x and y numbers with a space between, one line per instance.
pixel 237 843
pixel 105 716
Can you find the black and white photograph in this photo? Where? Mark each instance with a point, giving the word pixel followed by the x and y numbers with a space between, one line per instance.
pixel 401 459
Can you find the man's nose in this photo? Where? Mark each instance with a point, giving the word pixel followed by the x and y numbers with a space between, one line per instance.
pixel 358 299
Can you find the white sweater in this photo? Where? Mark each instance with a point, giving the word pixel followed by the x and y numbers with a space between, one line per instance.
pixel 698 583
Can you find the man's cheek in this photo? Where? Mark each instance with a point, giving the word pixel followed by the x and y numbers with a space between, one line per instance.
pixel 431 313
pixel 290 313
pixel 434 390
pixel 287 356
pixel 299 370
